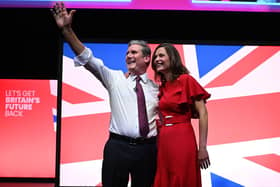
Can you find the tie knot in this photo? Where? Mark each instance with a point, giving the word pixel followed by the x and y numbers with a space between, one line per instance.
pixel 138 78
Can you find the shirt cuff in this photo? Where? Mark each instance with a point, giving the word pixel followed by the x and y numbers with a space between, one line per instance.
pixel 83 58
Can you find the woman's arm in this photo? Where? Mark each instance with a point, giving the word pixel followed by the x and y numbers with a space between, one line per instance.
pixel 203 133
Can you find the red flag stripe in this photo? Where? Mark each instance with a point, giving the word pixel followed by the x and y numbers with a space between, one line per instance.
pixel 271 161
pixel 244 66
pixel 75 96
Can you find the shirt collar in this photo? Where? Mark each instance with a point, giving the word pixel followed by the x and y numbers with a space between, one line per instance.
pixel 144 77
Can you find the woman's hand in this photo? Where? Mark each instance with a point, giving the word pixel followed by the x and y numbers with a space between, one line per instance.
pixel 203 158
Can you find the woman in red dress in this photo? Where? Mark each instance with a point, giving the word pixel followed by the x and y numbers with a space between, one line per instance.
pixel 181 98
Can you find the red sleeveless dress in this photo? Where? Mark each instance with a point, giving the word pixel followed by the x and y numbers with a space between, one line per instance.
pixel 177 160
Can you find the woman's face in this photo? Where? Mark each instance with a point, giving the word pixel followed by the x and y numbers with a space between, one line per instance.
pixel 161 60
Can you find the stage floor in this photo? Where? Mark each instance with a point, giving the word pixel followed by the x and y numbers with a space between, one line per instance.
pixel 25 184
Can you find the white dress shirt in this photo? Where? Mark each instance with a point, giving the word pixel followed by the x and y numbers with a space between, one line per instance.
pixel 123 99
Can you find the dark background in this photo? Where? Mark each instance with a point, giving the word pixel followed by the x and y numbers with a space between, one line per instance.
pixel 32 44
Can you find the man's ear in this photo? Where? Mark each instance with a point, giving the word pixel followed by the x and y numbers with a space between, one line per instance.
pixel 147 60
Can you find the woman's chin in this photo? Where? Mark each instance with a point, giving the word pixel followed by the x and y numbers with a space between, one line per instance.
pixel 159 70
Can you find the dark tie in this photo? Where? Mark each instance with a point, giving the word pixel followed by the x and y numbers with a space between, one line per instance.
pixel 142 113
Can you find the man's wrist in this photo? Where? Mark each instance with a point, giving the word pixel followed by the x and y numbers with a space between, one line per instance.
pixel 66 29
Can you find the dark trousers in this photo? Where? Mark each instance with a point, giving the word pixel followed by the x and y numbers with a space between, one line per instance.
pixel 122 158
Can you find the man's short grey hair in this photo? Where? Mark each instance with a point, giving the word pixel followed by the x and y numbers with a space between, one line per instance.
pixel 146 50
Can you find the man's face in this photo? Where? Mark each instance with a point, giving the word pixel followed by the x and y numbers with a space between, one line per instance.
pixel 135 61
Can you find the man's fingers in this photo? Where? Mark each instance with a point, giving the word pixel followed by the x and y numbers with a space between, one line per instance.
pixel 57 8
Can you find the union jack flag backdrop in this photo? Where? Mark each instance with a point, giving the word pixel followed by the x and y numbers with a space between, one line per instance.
pixel 244 130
